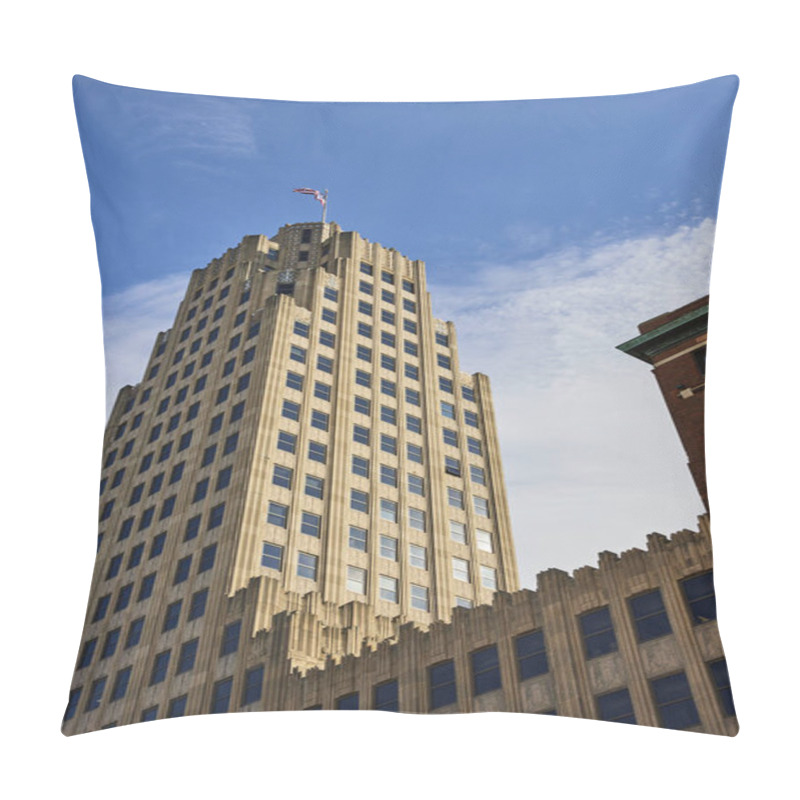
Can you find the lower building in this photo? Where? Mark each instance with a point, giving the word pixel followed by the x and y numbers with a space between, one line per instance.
pixel 633 640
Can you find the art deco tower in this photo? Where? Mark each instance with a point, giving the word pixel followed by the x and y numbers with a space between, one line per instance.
pixel 305 423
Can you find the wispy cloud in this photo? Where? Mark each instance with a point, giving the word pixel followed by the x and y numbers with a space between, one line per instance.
pixel 591 459
pixel 131 320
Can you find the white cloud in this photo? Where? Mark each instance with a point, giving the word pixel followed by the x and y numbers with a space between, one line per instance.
pixel 131 320
pixel 591 459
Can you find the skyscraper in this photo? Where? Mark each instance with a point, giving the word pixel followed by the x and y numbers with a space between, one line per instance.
pixel 303 424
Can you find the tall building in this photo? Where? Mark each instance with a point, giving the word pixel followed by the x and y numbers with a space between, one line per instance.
pixel 674 343
pixel 304 423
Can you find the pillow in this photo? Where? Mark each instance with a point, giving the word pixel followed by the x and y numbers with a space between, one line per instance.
pixel 309 484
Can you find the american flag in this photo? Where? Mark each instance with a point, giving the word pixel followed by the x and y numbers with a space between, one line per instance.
pixel 317 194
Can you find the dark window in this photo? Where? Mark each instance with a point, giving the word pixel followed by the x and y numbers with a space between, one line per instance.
pixel 221 696
pixel 197 606
pixel 348 702
pixel 120 684
pixel 134 632
pixel 616 707
pixel 171 616
pixel 386 696
pixel 253 683
pixel 160 666
pixel 123 597
pixel 96 694
pixel 177 706
pixel 699 592
pixel 177 472
pixel 72 703
pixel 272 556
pixel 187 656
pixel 157 546
pixel 325 364
pixel 182 569
pixel 361 466
pixel 87 653
pixel 674 701
pixel 277 514
pixel 442 680
pixel 311 524
pixel 649 616
pixel 207 557
pixel 531 655
pixel 485 670
pixel 230 444
pixel 149 714
pixel 598 632
pixel 113 566
pixel 719 673
pixel 146 587
pixel 110 643
pixel 291 410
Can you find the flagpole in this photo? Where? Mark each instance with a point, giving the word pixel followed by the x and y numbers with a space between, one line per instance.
pixel 325 207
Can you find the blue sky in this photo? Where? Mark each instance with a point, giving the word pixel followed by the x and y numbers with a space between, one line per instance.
pixel 550 230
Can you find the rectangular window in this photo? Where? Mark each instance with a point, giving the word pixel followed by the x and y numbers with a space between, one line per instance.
pixel 134 632
pixel 87 653
pixel 531 655
pixel 386 697
pixel 412 397
pixel 171 616
pixel 186 657
pixel 160 666
pixel 719 674
pixel 363 379
pixel 452 466
pixel 471 419
pixel 272 556
pixel 282 476
pixel 364 353
pixel 146 587
pixel 418 556
pixel 358 538
pixel 448 410
pixel 365 329
pixel 442 339
pixel 301 328
pixel 458 532
pixel 474 446
pixel 359 501
pixel 277 514
pixel 182 570
pixel 481 506
pixel 461 569
pixel 442 683
pixel 330 294
pixel 327 339
pixel 314 486
pixel 356 580
pixel 416 519
pixel 319 419
pixel 322 391
pixel 616 707
pixel 96 693
pixel 307 566
pixel 387 588
pixel 649 616
pixel 230 638
pixel 329 315
pixel 325 364
pixel 388 388
pixel 388 339
pixel 598 632
pixel 455 497
pixel 414 453
pixel 478 475
pixel 485 670
pixel 419 597
pixel 197 605
pixel 221 696
pixel 361 405
pixel 317 452
pixel 388 475
pixel 287 441
pixel 388 415
pixel 72 703
pixel 297 353
pixel 700 597
pixel 207 557
pixel 673 699
pixel 291 410
pixel 348 702
pixel 416 485
pixel 360 434
pixel 253 683
pixel 360 466
pixel 410 348
pixel 388 548
pixel 413 424
pixel 388 444
pixel 489 578
pixel 388 510
pixel 484 540
pixel 450 437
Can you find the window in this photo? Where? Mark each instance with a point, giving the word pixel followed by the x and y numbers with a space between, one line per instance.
pixel 388 510
pixel 448 410
pixel 598 633
pixel 416 485
pixel 719 674
pixel 160 666
pixel 388 548
pixel 360 466
pixel 458 532
pixel 177 472
pixel 223 393
pixel 414 453
pixel 113 566
pixel 123 597
pixel 243 382
pixel 272 556
pixel 230 444
pixel 359 501
pixel 200 490
pixel 197 605
pixel 388 444
pixel 442 339
pixel 182 570
pixel 412 397
pixel 72 703
pixel 287 441
pixel 363 379
pixel 484 540
pixel 307 566
pixel 329 315
pixel 455 497
pixel 419 597
pixel 408 286
pixel 452 466
pixel 317 452
pixel 282 476
pixel 146 587
pixel 389 318
pixel 489 578
pixel 700 597
pixel 485 670
pixel 413 424
pixel 531 655
pixel 365 308
pixel 209 453
pixel 330 294
pixel 410 348
pixel 187 656
pixel 311 524
pixel 237 412
pixel 463 602
pixel 230 638
pixel 248 355
pixel 386 697
pixel 96 693
pixel 134 632
pixel 356 580
pixel 361 405
pixel 301 329
pixel 136 494
pixel 388 388
pixel 387 588
pixel 450 437
pixel 649 616
pixel 319 419
pixel 327 339
pixel 348 702
pixel 616 707
pixel 366 268
pixel 110 643
pixel 322 391
pixel 365 287
pixel 87 653
pixel 478 475
pixel 442 683
pixel 221 696
pixel 291 410
pixel 674 702
pixel 388 415
pixel 125 529
pixel 481 506
pixel 185 441
pixel 388 339
pixel 253 683
pixel 471 419
pixel 165 452
pixel 223 478
pixel 297 353
pixel 171 616
pixel 418 556
pixel 147 518
pixel 294 381
pixel 360 434
pixel 416 519
pixel 228 368
pixel 364 353
pixel 149 714
pixel 314 486
pixel 410 306
pixel 474 446
pixel 388 475
pixel 207 558
pixel 461 569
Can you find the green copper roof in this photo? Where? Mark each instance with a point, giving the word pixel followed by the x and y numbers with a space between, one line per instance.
pixel 650 344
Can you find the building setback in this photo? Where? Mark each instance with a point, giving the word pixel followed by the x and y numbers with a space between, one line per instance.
pixel 302 506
